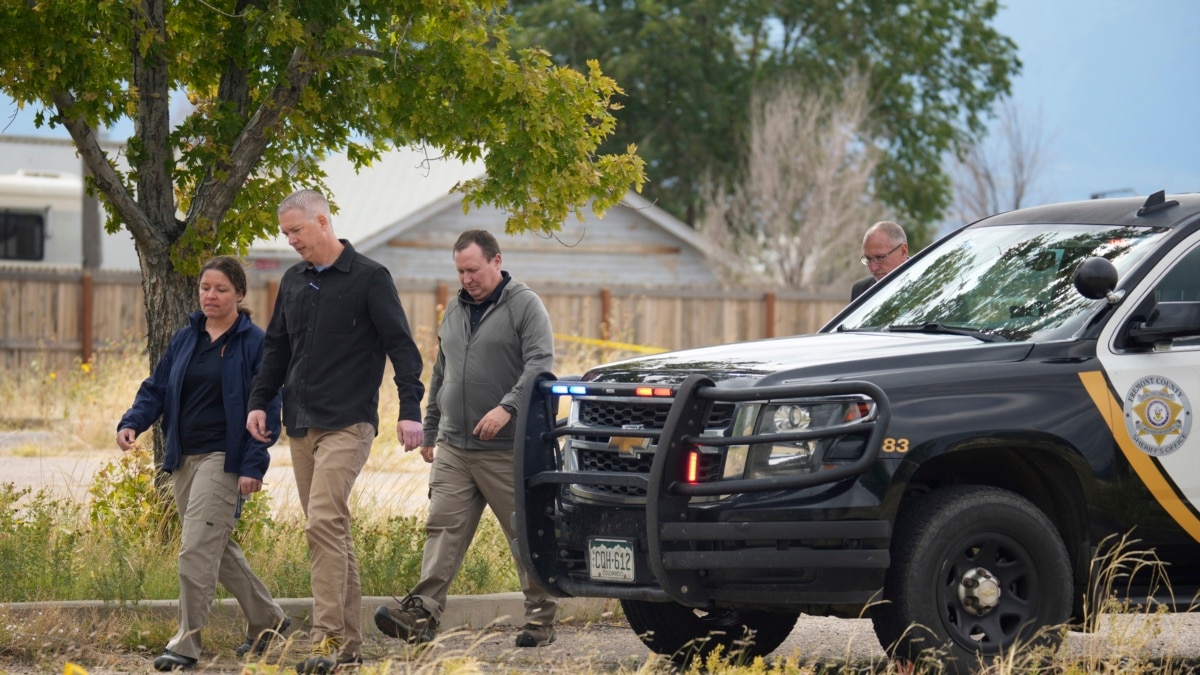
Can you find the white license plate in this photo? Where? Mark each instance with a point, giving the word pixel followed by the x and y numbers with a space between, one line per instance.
pixel 610 559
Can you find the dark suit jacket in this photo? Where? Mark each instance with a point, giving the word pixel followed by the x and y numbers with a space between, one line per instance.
pixel 861 286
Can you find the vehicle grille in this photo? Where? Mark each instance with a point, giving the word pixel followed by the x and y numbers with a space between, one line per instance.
pixel 602 413
pixel 709 469
pixel 607 460
pixel 642 415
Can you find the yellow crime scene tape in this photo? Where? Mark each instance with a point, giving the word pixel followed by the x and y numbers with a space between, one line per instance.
pixel 596 342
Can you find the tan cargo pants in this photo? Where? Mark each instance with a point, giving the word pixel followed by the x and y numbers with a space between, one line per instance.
pixel 206 497
pixel 461 483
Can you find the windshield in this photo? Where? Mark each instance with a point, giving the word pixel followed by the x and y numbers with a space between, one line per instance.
pixel 1011 282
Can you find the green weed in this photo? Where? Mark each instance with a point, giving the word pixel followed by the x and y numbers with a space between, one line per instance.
pixel 38 535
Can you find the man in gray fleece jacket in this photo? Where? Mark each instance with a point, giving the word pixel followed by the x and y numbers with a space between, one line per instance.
pixel 493 334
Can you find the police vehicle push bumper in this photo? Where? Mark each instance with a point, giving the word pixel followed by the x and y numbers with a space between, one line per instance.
pixel 665 548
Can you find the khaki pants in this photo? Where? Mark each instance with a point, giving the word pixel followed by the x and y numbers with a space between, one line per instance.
pixel 326 463
pixel 206 497
pixel 461 483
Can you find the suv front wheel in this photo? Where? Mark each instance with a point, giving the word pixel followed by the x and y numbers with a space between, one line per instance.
pixel 975 571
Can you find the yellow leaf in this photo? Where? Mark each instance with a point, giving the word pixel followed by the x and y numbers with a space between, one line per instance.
pixel 72 669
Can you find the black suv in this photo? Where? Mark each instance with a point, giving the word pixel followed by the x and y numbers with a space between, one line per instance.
pixel 947 455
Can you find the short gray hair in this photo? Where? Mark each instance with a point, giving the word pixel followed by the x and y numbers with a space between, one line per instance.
pixel 893 232
pixel 311 202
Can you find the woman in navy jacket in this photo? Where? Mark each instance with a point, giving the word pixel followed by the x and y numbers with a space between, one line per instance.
pixel 200 388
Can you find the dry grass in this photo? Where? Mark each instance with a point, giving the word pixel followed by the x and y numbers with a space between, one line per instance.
pixel 79 406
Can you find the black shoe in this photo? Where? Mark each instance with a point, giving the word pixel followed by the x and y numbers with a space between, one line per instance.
pixel 535 635
pixel 259 643
pixel 411 622
pixel 169 660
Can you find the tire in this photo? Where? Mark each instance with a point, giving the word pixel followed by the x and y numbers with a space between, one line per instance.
pixel 684 633
pixel 940 542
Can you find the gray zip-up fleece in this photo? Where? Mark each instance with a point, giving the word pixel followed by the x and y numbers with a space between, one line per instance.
pixel 476 372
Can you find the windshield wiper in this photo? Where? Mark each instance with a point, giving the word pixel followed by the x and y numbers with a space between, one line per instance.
pixel 939 327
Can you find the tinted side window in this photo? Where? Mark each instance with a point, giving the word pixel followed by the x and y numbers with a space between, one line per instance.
pixel 22 235
pixel 1182 284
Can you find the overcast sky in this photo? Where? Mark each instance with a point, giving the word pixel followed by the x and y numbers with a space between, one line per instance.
pixel 1116 85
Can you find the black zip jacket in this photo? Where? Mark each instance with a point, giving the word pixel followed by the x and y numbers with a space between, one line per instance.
pixel 326 343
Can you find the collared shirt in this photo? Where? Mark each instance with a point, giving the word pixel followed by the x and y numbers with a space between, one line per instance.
pixel 478 309
pixel 201 408
pixel 327 342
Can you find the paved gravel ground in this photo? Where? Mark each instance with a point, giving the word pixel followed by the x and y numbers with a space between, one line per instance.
pixel 1166 643
pixel 1170 641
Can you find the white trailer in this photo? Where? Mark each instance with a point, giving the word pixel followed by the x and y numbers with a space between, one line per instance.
pixel 41 223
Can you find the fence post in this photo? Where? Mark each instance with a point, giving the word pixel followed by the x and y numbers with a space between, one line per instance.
pixel 769 301
pixel 272 296
pixel 605 313
pixel 86 310
pixel 439 305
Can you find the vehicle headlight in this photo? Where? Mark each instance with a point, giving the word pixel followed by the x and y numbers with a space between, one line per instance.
pixel 792 456
pixel 791 418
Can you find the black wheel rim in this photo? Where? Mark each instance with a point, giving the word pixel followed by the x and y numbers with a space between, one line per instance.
pixel 1018 606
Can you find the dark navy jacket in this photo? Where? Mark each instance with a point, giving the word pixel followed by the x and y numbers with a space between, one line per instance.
pixel 159 395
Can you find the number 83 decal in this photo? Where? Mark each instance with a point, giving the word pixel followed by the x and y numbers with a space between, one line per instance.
pixel 899 445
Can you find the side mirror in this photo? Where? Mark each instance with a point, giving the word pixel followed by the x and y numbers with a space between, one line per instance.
pixel 1168 321
pixel 1095 278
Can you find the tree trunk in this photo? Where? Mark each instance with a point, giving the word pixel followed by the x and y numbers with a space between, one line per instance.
pixel 169 297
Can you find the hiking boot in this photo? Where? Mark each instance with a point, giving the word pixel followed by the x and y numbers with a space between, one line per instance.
pixel 323 658
pixel 535 635
pixel 411 622
pixel 322 665
pixel 258 644
pixel 169 660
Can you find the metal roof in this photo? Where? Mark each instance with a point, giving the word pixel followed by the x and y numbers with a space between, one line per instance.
pixel 402 183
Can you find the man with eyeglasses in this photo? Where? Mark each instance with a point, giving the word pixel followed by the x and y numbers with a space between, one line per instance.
pixel 885 246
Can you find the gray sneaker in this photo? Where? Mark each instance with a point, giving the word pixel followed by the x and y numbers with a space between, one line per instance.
pixel 535 635
pixel 411 622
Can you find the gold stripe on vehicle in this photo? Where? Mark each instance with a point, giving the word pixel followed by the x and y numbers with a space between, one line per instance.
pixel 1146 468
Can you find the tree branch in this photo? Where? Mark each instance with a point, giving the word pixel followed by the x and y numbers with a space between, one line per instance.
pixel 214 197
pixel 103 174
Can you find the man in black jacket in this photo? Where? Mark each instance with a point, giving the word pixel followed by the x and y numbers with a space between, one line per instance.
pixel 336 317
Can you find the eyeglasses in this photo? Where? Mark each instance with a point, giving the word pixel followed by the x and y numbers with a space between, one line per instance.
pixel 867 260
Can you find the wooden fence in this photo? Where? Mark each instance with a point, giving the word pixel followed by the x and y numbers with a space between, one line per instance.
pixel 59 316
